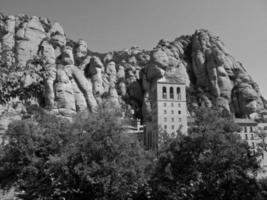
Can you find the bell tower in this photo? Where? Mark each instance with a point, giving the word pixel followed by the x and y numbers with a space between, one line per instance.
pixel 169 111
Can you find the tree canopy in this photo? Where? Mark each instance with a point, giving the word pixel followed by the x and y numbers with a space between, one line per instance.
pixel 47 157
pixel 212 162
pixel 93 157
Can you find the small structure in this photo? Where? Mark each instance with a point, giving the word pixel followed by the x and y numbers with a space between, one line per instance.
pixel 250 132
pixel 134 127
pixel 169 111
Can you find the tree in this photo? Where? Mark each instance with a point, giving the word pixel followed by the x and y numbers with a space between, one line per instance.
pixel 101 161
pixel 263 184
pixel 24 160
pixel 212 162
pixel 91 158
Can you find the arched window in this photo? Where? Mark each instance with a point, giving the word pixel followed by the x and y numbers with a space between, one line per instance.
pixel 164 92
pixel 171 93
pixel 178 91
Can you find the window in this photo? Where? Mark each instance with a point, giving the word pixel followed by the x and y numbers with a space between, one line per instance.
pixel 180 119
pixel 178 90
pixel 179 112
pixel 253 145
pixel 172 127
pixel 171 93
pixel 164 104
pixel 172 119
pixel 246 136
pixel 164 92
pixel 172 112
pixel 165 119
pixel 179 105
pixel 252 136
pixel 165 127
pixel 245 129
pixel 251 129
pixel 171 104
pixel 165 111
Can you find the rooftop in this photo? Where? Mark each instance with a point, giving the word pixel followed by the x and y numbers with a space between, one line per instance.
pixel 171 78
pixel 241 121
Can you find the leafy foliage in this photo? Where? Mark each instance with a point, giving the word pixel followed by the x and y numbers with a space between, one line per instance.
pixel 24 159
pixel 211 163
pixel 100 161
pixel 51 158
pixel 263 184
pixel 12 80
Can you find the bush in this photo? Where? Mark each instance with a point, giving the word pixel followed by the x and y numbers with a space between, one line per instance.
pixel 212 162
pixel 50 158
pixel 93 157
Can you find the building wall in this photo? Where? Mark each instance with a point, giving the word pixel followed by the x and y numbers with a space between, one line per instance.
pixel 171 108
pixel 169 112
pixel 263 127
pixel 150 136
pixel 249 134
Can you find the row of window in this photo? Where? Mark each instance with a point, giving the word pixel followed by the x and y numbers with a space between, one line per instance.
pixel 248 129
pixel 253 145
pixel 172 112
pixel 172 105
pixel 166 127
pixel 172 119
pixel 171 93
pixel 251 136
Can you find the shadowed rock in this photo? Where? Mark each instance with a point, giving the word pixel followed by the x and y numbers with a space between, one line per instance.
pixel 75 78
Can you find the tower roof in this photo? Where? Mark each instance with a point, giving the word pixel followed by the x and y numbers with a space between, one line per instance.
pixel 171 78
pixel 245 122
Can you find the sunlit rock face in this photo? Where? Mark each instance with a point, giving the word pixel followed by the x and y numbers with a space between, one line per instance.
pixel 74 78
pixel 225 79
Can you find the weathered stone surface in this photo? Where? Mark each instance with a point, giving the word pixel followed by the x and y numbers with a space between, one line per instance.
pixel 47 52
pixel 10 112
pixel 57 35
pixel 81 54
pixel 154 72
pixel 96 78
pixel 80 101
pixel 160 58
pixel 49 79
pixel 121 72
pixel 111 73
pixel 122 89
pixel 75 78
pixel 29 37
pixel 113 97
pixel 63 89
pixel 8 31
pixel 7 40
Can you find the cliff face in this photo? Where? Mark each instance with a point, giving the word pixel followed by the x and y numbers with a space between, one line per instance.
pixel 39 64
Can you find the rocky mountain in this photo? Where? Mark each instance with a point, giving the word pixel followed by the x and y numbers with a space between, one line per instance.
pixel 40 65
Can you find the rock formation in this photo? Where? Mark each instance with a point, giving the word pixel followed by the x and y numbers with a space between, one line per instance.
pixel 65 77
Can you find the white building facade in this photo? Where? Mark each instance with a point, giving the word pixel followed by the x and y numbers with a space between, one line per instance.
pixel 169 112
pixel 250 131
pixel 171 107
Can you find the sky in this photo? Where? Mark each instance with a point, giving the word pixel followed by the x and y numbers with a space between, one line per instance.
pixel 116 24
